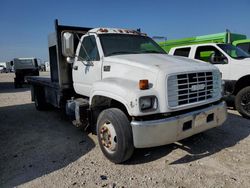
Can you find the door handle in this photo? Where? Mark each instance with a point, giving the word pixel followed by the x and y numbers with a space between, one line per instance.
pixel 75 67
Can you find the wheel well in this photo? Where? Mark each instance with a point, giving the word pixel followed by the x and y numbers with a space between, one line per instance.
pixel 100 103
pixel 241 83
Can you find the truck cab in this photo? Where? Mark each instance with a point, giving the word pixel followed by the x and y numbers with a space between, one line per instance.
pixel 120 85
pixel 234 64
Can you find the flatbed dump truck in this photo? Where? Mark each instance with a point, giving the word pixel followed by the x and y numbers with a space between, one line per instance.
pixel 120 85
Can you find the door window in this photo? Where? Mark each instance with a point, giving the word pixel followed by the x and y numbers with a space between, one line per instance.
pixel 210 54
pixel 89 50
pixel 182 52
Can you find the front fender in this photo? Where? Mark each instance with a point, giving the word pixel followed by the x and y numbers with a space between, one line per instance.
pixel 125 91
pixel 237 85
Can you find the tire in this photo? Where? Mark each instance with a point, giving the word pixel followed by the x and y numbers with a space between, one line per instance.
pixel 17 84
pixel 242 102
pixel 39 97
pixel 114 134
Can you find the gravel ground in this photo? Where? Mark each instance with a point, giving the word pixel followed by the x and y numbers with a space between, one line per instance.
pixel 43 149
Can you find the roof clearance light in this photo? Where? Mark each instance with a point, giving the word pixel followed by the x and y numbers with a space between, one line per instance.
pixel 143 84
pixel 103 30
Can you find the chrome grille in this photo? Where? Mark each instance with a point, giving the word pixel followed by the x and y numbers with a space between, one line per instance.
pixel 190 88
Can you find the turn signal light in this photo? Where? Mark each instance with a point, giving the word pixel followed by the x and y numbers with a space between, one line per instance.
pixel 143 84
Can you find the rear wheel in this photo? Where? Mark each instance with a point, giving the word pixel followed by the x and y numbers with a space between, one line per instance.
pixel 17 83
pixel 39 97
pixel 242 102
pixel 115 135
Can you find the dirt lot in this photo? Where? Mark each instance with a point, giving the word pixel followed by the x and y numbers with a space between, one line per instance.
pixel 43 149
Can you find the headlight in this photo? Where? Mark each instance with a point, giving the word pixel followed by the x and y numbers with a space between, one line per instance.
pixel 223 88
pixel 148 103
pixel 217 84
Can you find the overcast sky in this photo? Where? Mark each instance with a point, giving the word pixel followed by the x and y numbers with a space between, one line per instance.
pixel 25 24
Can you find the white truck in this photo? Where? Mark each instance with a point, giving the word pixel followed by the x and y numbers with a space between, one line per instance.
pixel 5 67
pixel 122 86
pixel 233 63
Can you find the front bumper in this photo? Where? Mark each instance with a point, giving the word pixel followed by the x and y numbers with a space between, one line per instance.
pixel 169 130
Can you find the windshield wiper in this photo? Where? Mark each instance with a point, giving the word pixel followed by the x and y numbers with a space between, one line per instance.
pixel 121 52
pixel 153 51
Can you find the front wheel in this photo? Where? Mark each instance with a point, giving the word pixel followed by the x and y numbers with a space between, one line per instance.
pixel 242 102
pixel 114 134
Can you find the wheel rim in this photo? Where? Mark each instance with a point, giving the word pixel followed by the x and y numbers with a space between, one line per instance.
pixel 245 102
pixel 108 137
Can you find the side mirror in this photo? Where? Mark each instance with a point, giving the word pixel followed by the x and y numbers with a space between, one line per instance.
pixel 68 44
pixel 212 58
pixel 217 59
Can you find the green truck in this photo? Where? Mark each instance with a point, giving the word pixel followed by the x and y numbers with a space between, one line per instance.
pixel 235 39
pixel 244 44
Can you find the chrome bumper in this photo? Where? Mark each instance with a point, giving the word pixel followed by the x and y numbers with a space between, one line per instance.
pixel 169 130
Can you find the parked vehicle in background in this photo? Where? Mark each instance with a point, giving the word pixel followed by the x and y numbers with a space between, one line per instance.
pixel 42 67
pixel 120 85
pixel 234 64
pixel 47 66
pixel 2 69
pixel 7 66
pixel 24 67
pixel 236 39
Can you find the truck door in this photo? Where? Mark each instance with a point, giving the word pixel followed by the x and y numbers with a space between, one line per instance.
pixel 87 66
pixel 205 53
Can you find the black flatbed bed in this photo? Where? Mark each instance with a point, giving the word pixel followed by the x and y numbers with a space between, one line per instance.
pixel 42 80
pixel 52 92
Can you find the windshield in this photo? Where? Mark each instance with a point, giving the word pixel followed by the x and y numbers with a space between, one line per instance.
pixel 233 51
pixel 117 44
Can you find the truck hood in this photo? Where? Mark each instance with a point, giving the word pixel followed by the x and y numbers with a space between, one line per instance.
pixel 153 67
pixel 161 62
pixel 245 61
pixel 125 71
